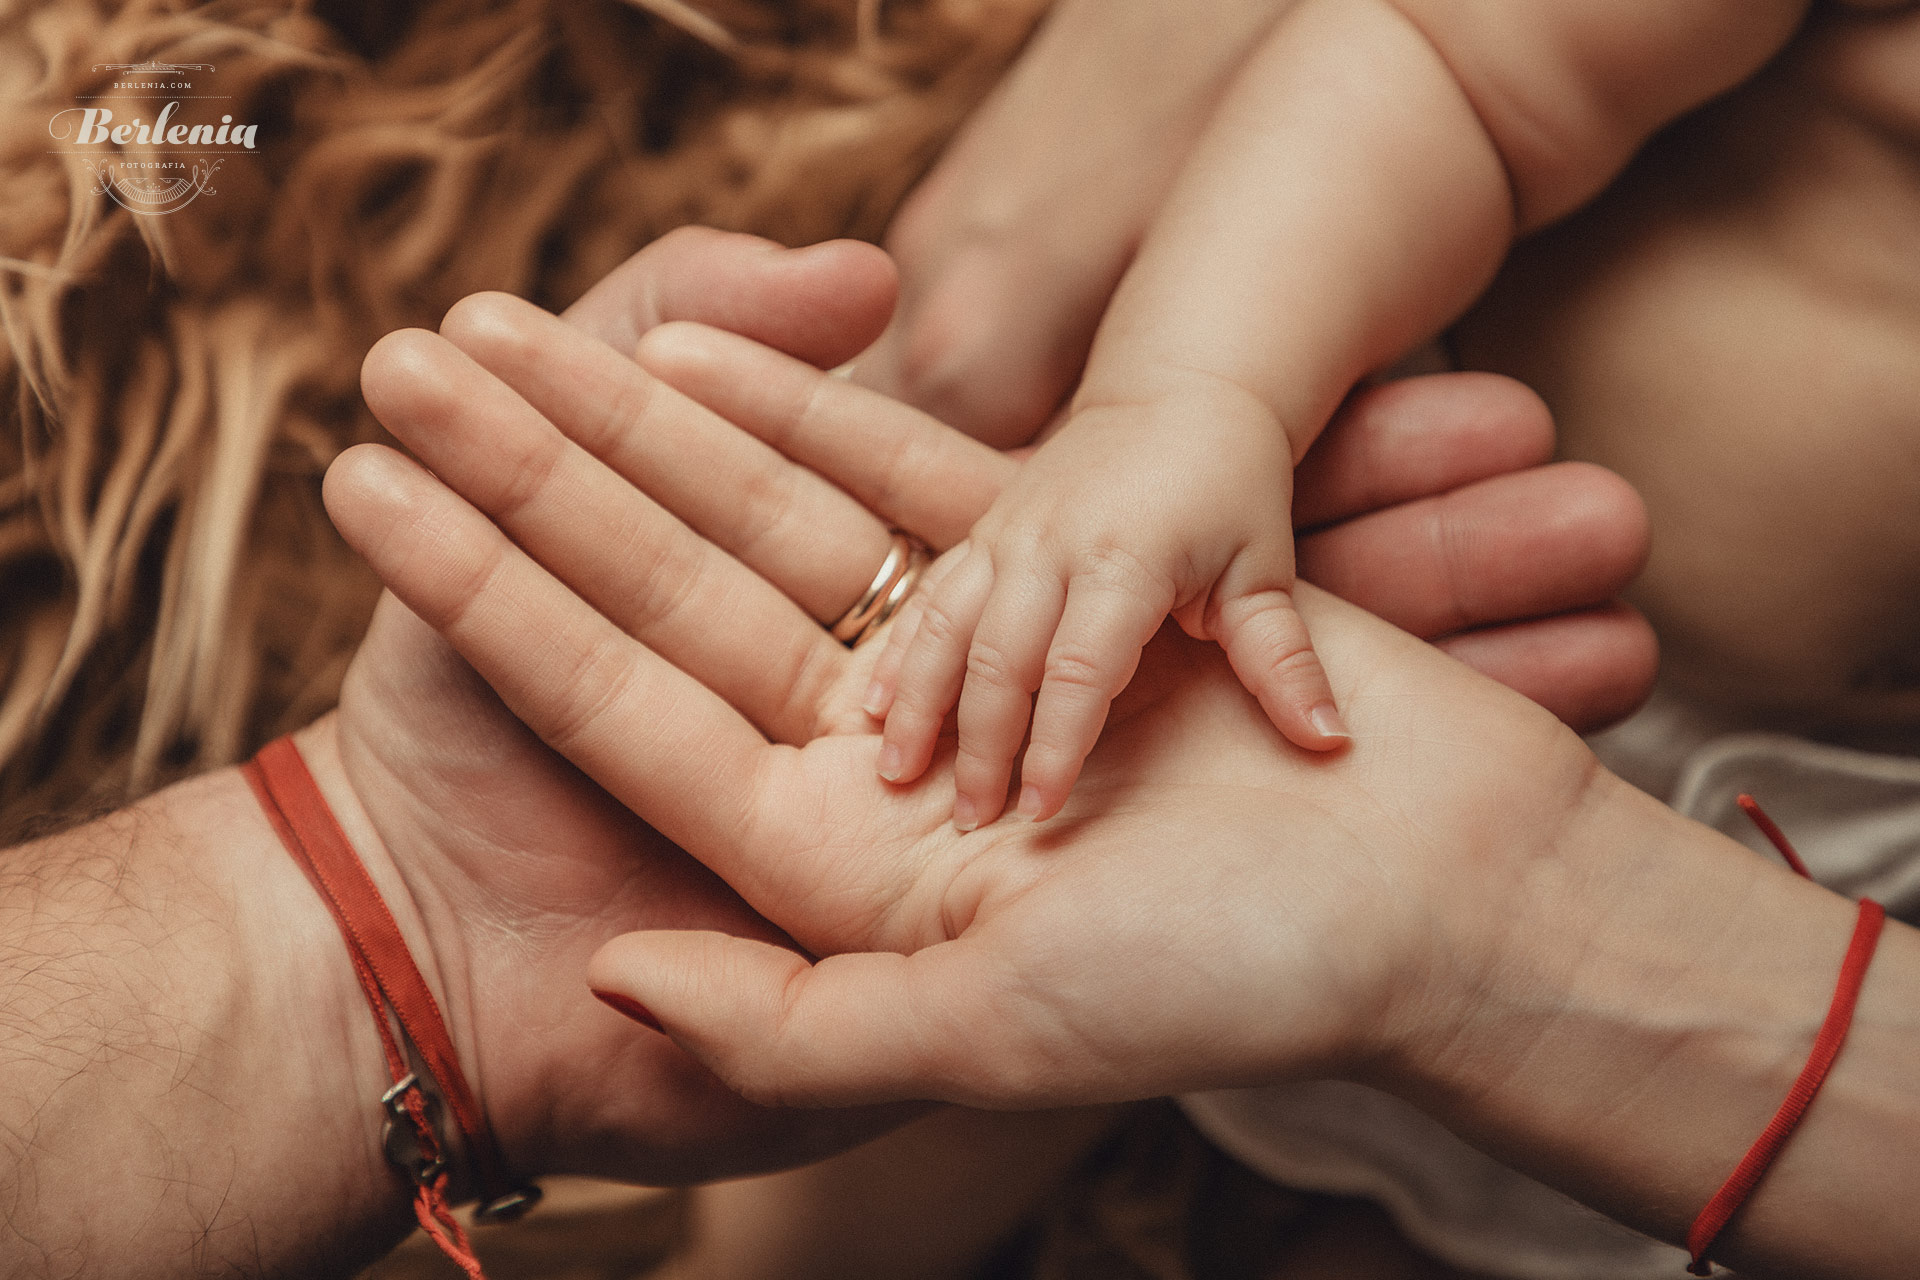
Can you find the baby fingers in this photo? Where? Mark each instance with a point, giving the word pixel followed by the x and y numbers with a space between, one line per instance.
pixel 1109 618
pixel 1267 642
pixel 1003 668
pixel 931 665
pixel 989 638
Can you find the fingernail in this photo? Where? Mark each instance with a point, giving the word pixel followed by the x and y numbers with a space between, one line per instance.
pixel 1030 804
pixel 892 763
pixel 1326 720
pixel 629 1007
pixel 966 814
pixel 876 700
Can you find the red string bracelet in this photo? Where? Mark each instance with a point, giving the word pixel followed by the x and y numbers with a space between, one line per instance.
pixel 1826 1047
pixel 389 978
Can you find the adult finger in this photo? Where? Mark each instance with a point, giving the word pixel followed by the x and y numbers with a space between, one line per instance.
pixel 634 562
pixel 913 471
pixel 652 735
pixel 849 1029
pixel 1591 668
pixel 796 530
pixel 823 304
pixel 1417 437
pixel 1521 545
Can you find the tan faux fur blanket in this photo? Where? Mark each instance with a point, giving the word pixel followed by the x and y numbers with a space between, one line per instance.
pixel 171 594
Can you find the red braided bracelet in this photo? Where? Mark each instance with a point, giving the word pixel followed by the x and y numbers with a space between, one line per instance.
pixel 1826 1047
pixel 389 978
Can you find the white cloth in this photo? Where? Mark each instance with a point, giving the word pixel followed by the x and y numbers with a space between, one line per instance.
pixel 1853 815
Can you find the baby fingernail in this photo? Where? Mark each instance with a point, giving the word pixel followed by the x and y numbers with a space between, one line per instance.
pixel 1326 719
pixel 1030 804
pixel 966 814
pixel 892 762
pixel 875 703
pixel 629 1007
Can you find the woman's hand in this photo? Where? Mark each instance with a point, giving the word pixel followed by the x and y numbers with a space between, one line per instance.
pixel 1464 908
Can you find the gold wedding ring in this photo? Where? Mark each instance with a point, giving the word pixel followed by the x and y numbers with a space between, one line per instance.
pixel 891 586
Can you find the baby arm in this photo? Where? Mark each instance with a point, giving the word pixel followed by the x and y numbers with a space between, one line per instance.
pixel 1359 185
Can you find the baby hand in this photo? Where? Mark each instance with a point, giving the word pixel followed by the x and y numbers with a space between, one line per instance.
pixel 1130 514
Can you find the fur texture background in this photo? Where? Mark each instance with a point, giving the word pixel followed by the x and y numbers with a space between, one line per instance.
pixel 171 594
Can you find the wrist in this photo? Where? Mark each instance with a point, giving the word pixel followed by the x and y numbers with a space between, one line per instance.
pixel 319 1069
pixel 190 1062
pixel 433 929
pixel 1653 995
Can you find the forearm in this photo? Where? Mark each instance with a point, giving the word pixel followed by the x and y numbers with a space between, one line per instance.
pixel 1369 168
pixel 187 1071
pixel 1661 991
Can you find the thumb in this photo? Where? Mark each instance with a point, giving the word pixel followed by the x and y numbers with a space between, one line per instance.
pixel 1267 642
pixel 784 1031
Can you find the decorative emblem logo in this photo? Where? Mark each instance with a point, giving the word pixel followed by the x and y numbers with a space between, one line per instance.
pixel 157 166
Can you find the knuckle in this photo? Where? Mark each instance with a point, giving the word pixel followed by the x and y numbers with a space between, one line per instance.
pixel 747 1075
pixel 1108 565
pixel 996 666
pixel 941 627
pixel 596 685
pixel 1046 767
pixel 977 763
pixel 526 474
pixel 1451 544
pixel 769 506
pixel 625 409
pixel 804 680
pixel 663 576
pixel 1295 664
pixel 1071 668
pixel 900 473
pixel 471 583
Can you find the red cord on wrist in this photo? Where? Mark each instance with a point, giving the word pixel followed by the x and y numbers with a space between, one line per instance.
pixel 1826 1047
pixel 389 978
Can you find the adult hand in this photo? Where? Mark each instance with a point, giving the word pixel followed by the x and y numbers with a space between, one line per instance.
pixel 519 866
pixel 421 741
pixel 1011 246
pixel 1463 906
pixel 178 995
pixel 513 416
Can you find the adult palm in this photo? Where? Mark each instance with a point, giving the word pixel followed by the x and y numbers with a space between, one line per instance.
pixel 519 867
pixel 692 679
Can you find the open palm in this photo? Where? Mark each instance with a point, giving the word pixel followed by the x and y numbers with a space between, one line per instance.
pixel 497 836
pixel 690 676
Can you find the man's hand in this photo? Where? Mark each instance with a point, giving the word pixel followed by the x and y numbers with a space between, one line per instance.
pixel 519 866
pixel 189 1076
